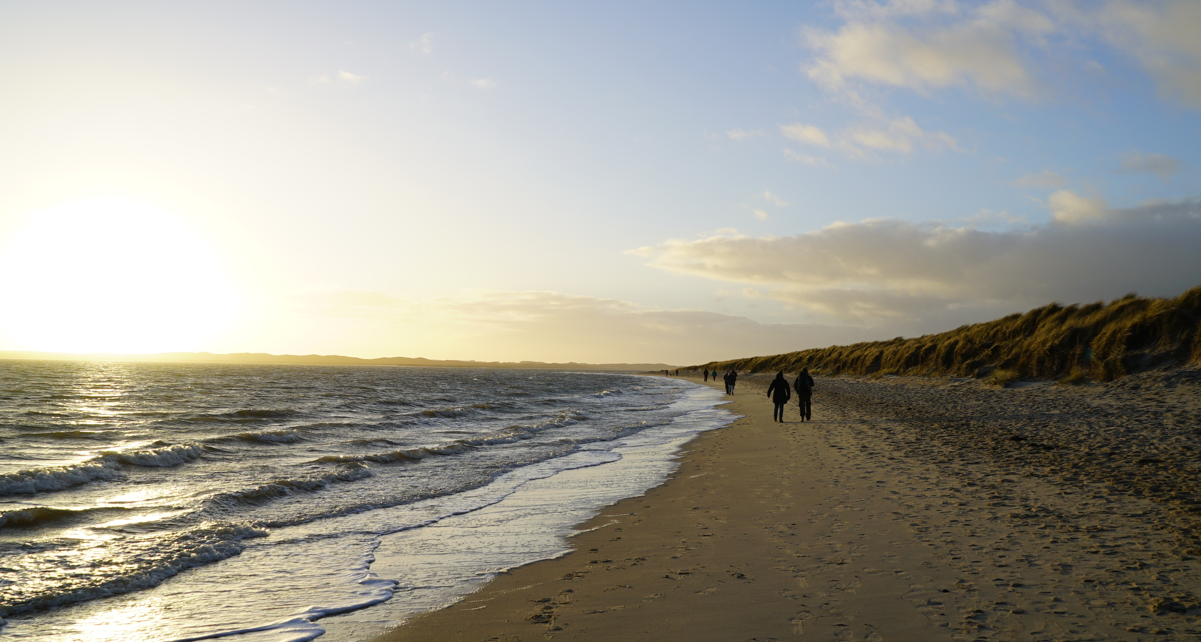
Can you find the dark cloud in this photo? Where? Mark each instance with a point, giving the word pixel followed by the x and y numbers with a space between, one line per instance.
pixel 889 271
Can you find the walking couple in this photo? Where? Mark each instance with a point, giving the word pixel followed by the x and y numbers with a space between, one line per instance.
pixel 780 394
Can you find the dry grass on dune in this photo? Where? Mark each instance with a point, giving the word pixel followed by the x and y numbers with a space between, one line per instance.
pixel 1072 343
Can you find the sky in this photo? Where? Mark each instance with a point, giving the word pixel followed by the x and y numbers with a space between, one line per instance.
pixel 670 182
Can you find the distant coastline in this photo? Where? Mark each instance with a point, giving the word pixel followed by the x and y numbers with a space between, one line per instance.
pixel 326 360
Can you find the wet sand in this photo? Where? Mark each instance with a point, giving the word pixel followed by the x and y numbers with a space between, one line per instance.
pixel 909 509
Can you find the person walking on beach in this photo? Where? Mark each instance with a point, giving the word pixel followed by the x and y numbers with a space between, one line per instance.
pixel 706 371
pixel 804 393
pixel 779 393
pixel 733 380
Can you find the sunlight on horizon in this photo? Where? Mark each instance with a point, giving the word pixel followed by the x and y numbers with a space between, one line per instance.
pixel 111 276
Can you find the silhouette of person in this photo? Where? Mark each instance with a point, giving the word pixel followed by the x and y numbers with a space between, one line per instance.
pixel 779 393
pixel 733 380
pixel 804 393
pixel 726 378
pixel 706 371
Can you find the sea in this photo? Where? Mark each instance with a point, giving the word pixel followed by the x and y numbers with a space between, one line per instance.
pixel 282 503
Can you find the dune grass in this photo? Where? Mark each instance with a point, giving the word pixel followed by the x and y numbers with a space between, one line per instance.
pixel 1098 341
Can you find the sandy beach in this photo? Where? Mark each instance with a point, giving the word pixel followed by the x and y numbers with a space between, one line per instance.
pixel 908 509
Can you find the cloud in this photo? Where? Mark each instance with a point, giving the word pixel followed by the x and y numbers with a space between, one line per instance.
pixel 1046 178
pixel 1158 164
pixel 816 161
pixel 323 79
pixel 774 199
pixel 424 44
pixel 1069 207
pixel 525 325
pixel 901 135
pixel 979 50
pixel 1162 36
pixel 931 274
pixel 760 214
pixel 869 10
pixel 483 83
pixel 898 135
pixel 808 134
pixel 738 134
pixel 353 79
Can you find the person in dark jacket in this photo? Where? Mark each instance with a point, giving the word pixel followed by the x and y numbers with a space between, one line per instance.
pixel 733 380
pixel 804 393
pixel 778 391
pixel 726 379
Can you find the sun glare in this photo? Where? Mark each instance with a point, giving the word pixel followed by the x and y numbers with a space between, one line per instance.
pixel 106 276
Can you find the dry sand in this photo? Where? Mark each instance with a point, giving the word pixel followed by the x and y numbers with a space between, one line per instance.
pixel 909 509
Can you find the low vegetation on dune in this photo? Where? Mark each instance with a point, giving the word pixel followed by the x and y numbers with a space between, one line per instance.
pixel 1074 343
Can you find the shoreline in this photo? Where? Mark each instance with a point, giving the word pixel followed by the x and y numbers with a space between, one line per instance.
pixel 866 524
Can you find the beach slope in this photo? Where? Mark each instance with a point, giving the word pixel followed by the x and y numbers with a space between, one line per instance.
pixel 868 523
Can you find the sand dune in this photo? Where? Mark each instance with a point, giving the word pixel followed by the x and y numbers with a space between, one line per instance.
pixel 909 509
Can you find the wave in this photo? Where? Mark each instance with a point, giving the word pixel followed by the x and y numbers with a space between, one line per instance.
pixel 108 466
pixel 57 478
pixel 279 436
pixel 164 559
pixel 445 413
pixel 36 516
pixel 608 393
pixel 163 457
pixel 283 487
pixel 245 416
pixel 393 456
pixel 69 434
pixel 509 435
pixel 493 405
pixel 367 441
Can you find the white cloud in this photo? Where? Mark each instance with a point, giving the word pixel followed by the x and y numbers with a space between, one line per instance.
pixel 1158 164
pixel 1162 36
pixel 738 134
pixel 808 134
pixel 816 161
pixel 899 135
pixel 353 79
pixel 774 199
pixel 869 10
pixel 930 274
pixel 1069 207
pixel 1046 178
pixel 978 51
pixel 760 214
pixel 483 83
pixel 424 44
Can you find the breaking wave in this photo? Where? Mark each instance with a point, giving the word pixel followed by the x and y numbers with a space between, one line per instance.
pixel 108 466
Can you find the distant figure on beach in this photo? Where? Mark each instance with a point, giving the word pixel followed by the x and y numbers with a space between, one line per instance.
pixel 706 371
pixel 677 372
pixel 804 393
pixel 779 393
pixel 715 374
pixel 733 380
pixel 726 379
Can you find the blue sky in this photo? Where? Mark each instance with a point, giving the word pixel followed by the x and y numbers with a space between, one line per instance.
pixel 621 182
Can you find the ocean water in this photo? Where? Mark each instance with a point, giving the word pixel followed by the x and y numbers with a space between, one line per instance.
pixel 148 502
